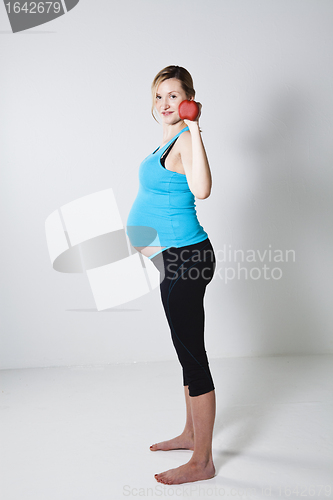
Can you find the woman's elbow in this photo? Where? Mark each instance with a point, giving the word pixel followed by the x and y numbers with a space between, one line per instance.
pixel 203 195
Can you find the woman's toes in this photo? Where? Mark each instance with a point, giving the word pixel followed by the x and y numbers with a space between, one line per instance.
pixel 159 477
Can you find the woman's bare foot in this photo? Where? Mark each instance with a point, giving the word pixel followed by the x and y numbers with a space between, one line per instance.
pixel 187 473
pixel 182 442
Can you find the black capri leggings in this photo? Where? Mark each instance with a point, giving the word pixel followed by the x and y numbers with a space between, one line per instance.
pixel 185 272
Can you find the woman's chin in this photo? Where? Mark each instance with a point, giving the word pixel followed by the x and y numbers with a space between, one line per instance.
pixel 170 119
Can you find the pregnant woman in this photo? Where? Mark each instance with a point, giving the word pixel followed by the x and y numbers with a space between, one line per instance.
pixel 163 226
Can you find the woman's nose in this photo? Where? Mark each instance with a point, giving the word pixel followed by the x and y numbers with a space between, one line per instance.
pixel 165 104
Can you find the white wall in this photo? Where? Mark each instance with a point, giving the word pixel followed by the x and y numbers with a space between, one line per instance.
pixel 75 119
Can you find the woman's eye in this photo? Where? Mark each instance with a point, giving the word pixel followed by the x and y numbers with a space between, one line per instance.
pixel 173 96
pixel 158 97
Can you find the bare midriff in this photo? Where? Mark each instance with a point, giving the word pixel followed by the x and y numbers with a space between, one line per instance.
pixel 148 251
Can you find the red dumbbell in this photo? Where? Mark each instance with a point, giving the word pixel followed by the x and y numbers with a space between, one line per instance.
pixel 188 110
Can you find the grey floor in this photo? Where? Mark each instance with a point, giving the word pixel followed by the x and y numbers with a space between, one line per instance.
pixel 83 433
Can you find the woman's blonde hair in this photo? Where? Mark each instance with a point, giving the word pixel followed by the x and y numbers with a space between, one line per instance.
pixel 178 72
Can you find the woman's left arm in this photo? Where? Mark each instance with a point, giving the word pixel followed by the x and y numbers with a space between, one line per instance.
pixel 195 162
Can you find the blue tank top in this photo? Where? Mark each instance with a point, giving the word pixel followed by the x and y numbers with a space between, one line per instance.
pixel 163 213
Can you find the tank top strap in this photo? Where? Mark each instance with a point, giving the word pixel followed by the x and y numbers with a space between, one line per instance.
pixel 159 150
pixel 175 137
pixel 182 130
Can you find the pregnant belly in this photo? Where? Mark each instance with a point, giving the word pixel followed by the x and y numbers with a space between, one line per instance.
pixel 142 233
pixel 142 226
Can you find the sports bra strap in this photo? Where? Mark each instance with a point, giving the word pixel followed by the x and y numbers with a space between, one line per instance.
pixel 166 152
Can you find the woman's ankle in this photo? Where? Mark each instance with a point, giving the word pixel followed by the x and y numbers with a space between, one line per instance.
pixel 188 433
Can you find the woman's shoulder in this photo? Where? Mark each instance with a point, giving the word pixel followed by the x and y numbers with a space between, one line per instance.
pixel 184 140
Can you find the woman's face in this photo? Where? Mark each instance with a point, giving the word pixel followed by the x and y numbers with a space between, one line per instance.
pixel 169 95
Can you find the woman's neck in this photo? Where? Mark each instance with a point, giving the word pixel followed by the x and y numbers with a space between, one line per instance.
pixel 169 131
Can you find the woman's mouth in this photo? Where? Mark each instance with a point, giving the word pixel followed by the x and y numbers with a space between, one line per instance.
pixel 167 113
